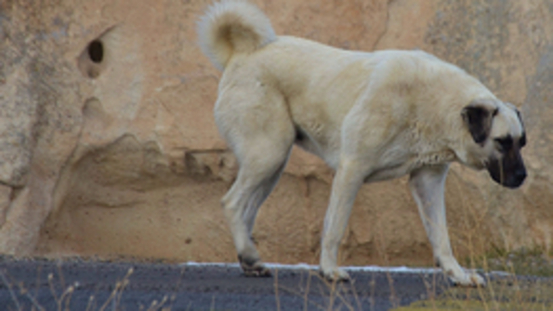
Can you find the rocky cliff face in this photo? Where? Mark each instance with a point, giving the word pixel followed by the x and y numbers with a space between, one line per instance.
pixel 108 144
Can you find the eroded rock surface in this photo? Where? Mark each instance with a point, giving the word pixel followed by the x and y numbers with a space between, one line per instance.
pixel 108 144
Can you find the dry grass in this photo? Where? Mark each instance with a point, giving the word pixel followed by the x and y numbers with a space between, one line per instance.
pixel 506 294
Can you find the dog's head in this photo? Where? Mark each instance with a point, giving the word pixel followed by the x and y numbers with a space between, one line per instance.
pixel 497 137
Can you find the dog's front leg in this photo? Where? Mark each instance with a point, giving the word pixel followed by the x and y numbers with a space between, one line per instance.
pixel 345 186
pixel 427 186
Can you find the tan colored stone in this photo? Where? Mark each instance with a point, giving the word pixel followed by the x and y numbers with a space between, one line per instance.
pixel 113 150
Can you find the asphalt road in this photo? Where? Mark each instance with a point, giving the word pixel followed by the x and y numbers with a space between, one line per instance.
pixel 90 285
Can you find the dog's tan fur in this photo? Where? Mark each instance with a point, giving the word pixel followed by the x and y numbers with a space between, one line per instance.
pixel 370 116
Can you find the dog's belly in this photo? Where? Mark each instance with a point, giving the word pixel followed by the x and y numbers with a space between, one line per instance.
pixel 395 167
pixel 326 147
pixel 386 169
pixel 391 172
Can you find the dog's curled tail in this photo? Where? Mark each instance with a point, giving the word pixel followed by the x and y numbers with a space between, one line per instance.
pixel 230 27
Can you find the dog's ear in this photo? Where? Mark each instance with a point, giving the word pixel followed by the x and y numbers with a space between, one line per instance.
pixel 478 116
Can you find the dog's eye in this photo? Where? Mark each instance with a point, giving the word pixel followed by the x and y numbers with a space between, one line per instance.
pixel 522 141
pixel 504 144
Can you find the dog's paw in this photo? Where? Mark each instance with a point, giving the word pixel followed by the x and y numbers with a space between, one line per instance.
pixel 335 275
pixel 259 271
pixel 254 268
pixel 467 279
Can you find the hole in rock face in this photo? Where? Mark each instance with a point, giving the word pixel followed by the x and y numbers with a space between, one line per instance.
pixel 96 55
pixel 96 51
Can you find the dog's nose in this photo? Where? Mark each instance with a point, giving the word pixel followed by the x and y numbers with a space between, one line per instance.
pixel 520 175
pixel 516 179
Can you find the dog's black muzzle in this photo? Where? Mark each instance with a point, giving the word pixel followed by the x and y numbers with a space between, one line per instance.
pixel 510 171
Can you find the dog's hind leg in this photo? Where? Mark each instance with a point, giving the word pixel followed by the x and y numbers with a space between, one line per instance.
pixel 427 186
pixel 262 144
pixel 261 193
pixel 258 174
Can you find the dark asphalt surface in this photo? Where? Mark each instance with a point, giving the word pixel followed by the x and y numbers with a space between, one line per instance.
pixel 91 285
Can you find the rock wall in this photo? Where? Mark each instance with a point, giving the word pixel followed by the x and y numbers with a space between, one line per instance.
pixel 108 145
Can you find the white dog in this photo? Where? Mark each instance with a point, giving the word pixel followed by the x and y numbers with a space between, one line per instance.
pixel 370 116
